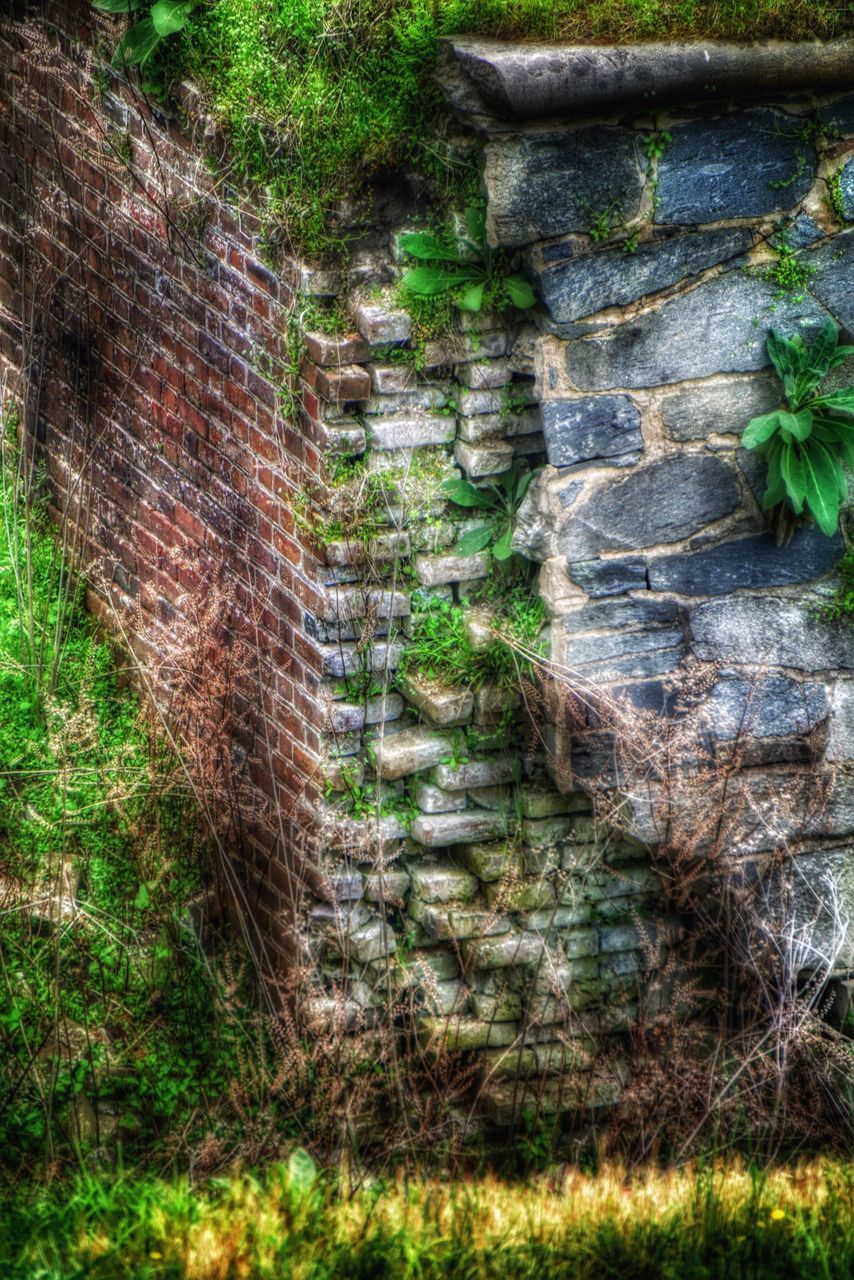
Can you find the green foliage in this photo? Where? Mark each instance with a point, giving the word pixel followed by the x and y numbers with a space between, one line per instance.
pixel 469 269
pixel 656 143
pixel 842 603
pixel 441 648
pixel 808 441
pixel 499 501
pixel 835 198
pixel 165 18
pixel 789 273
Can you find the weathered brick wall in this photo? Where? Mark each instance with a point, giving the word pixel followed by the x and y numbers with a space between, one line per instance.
pixel 139 320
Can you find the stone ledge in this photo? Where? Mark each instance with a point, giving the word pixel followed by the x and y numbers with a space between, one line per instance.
pixel 532 82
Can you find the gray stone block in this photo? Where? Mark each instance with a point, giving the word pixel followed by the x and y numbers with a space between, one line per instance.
pixel 765 707
pixel 454 922
pixel 609 577
pixel 460 1034
pixel 513 949
pixel 441 882
pixel 660 502
pixel 756 561
pixel 846 189
pixel 840 738
pixel 839 115
pixel 438 703
pixel 399 754
pixel 546 184
pixel 697 412
pixel 441 829
pixel 479 460
pixel 586 427
pixel 738 166
pixel 831 284
pixel 411 431
pixel 475 773
pixel 719 327
pixel 436 570
pixel 624 614
pixel 431 799
pixel 591 282
pixel 781 633
pixel 380 325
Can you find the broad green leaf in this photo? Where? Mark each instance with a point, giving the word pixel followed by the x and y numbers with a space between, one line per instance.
pixel 142 901
pixel 798 424
pixel 820 350
pixel 792 472
pixel 840 355
pixel 521 293
pixel 472 299
pixel 428 247
pixel 137 46
pixel 465 494
pixel 842 400
pixel 170 16
pixel 432 280
pixel 521 487
pixel 784 355
pixel 302 1170
pixel 758 430
pixel 822 474
pixel 775 490
pixel 116 6
pixel 475 217
pixel 503 548
pixel 474 540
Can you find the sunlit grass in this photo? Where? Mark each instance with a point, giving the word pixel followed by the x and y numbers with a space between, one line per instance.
pixel 698 1222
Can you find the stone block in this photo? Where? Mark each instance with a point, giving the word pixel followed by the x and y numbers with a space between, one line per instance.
pixel 545 184
pixel 625 653
pixel 435 570
pixel 738 166
pixel 380 325
pixel 484 428
pixel 719 327
pixel 579 943
pixel 355 553
pixel 831 284
pixel 389 379
pixel 453 922
pixel 485 375
pixel 839 115
pixel 723 408
pixel 840 738
pixel 471 403
pixel 541 802
pixel 554 919
pixel 351 717
pixel 439 962
pixel 765 706
pixel 475 773
pixel 410 431
pixel 609 577
pixel 499 1064
pixel 483 459
pixel 492 704
pixel 343 437
pixel 432 799
pixel 350 382
pixel 658 502
pixel 324 349
pixel 521 895
pixel 489 860
pixel 441 829
pixel 460 1035
pixel 442 882
pixel 586 283
pixel 754 561
pixel 340 660
pixel 390 885
pixel 344 604
pixel 513 949
pixel 491 797
pixel 580 428
pixel 371 941
pixel 440 704
pixel 779 633
pixel 422 399
pixel 505 1006
pixel 399 754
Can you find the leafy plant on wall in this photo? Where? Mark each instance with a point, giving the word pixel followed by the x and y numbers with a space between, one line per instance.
pixel 498 502
pixel 165 18
pixel 809 440
pixel 469 266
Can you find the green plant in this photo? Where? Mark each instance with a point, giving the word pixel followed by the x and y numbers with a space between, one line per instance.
pixel 808 440
pixel 604 221
pixel 788 272
pixel 835 198
pixel 499 501
pixel 656 143
pixel 841 604
pixel 470 269
pixel 165 18
pixel 630 244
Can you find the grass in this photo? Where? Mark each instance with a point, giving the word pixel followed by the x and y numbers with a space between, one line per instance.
pixel 319 97
pixel 115 1005
pixel 711 1223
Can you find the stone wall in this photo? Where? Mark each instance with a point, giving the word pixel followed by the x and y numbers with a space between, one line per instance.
pixel 465 868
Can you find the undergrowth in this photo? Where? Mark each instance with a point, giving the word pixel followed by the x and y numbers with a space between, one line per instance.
pixel 316 97
pixel 700 1223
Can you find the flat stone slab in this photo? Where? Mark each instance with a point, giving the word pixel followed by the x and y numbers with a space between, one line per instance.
pixel 834 271
pixel 738 166
pixel 515 81
pixel 719 327
pixel 580 428
pixel 722 408
pixel 747 562
pixel 441 829
pixel 766 707
pixel 591 282
pixel 547 184
pixel 660 502
pixel 781 633
pixel 399 754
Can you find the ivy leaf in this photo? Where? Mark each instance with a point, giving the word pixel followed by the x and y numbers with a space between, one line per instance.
pixel 474 540
pixel 428 247
pixel 137 46
pixel 521 293
pixel 822 474
pixel 761 429
pixel 465 494
pixel 472 299
pixel 432 280
pixel 170 16
pixel 794 479
pixel 503 548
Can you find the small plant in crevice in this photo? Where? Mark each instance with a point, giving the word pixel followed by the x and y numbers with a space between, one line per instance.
pixel 656 143
pixel 788 273
pixel 841 603
pixel 835 198
pixel 469 270
pixel 165 18
pixel 809 440
pixel 498 502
